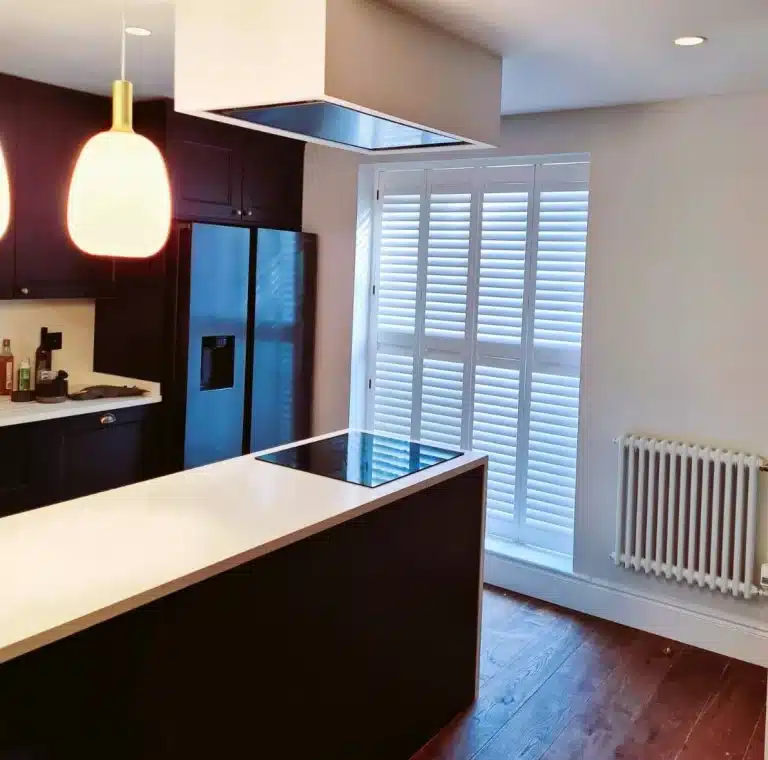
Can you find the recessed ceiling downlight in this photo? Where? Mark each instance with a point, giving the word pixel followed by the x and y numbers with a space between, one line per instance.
pixel 137 31
pixel 690 41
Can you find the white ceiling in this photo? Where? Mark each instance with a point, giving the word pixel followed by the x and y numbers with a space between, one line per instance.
pixel 76 43
pixel 557 53
pixel 577 53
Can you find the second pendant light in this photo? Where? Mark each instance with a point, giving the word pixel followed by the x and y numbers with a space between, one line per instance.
pixel 120 196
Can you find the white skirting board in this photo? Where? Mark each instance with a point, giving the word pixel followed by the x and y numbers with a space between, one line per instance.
pixel 642 611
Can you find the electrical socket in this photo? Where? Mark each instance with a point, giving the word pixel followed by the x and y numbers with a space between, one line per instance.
pixel 53 341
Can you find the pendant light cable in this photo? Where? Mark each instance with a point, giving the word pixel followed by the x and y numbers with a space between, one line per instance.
pixel 122 43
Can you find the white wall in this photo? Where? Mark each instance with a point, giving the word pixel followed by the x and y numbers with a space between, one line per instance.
pixel 676 309
pixel 330 209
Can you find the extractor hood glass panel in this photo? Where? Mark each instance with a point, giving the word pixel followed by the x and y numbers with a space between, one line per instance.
pixel 339 124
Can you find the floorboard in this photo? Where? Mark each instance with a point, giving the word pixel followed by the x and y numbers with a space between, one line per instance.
pixel 756 747
pixel 559 685
pixel 608 718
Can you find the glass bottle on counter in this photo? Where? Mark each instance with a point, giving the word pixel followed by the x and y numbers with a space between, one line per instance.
pixel 42 356
pixel 25 372
pixel 6 369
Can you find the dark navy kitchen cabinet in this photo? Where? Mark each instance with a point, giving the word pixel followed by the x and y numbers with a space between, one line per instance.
pixel 46 462
pixel 43 128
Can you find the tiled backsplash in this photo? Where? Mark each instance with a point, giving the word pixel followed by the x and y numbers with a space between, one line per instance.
pixel 21 322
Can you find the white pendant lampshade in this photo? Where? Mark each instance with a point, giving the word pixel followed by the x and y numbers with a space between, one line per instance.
pixel 120 196
pixel 5 195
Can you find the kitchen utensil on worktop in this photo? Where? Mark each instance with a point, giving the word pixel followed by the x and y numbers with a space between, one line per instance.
pixel 107 391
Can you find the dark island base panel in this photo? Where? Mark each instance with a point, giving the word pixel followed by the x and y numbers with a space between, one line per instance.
pixel 358 642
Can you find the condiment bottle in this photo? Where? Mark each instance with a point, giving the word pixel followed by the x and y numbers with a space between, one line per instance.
pixel 6 369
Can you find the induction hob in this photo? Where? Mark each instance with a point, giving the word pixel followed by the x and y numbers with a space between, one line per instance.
pixel 367 459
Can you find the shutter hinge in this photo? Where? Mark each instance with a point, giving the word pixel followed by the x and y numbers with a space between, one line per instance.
pixel 370 383
pixel 377 195
pixel 374 290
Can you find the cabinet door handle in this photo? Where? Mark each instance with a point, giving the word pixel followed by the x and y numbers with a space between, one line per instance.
pixel 249 212
pixel 238 212
pixel 108 419
pixel 25 291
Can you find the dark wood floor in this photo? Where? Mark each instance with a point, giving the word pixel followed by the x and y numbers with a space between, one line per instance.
pixel 556 684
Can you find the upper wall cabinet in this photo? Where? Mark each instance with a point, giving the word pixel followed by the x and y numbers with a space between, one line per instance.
pixel 223 173
pixel 207 169
pixel 53 125
pixel 273 181
pixel 44 129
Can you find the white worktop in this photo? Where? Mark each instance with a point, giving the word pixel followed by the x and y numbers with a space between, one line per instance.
pixel 69 566
pixel 18 413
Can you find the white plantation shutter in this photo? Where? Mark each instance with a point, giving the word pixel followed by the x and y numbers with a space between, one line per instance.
pixel 561 248
pixel 393 402
pixel 442 401
pixel 551 472
pixel 560 262
pixel 447 264
pixel 398 261
pixel 501 294
pixel 476 329
pixel 503 239
pixel 494 432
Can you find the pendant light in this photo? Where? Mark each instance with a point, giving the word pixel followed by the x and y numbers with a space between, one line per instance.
pixel 5 196
pixel 120 196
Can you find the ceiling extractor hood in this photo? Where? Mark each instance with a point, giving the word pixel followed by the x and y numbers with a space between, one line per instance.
pixel 355 74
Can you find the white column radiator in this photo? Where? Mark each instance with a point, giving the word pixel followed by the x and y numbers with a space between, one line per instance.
pixel 689 513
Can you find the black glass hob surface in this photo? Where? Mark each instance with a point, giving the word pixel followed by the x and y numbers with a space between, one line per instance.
pixel 366 459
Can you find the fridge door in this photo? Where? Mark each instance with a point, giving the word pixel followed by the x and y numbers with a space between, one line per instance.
pixel 216 357
pixel 283 338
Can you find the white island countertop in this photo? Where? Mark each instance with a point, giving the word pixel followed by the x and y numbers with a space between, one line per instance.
pixel 19 413
pixel 72 565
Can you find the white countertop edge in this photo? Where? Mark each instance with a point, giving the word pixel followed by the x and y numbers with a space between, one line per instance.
pixel 21 413
pixel 382 495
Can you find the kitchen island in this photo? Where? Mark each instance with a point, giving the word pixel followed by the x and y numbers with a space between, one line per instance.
pixel 243 609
